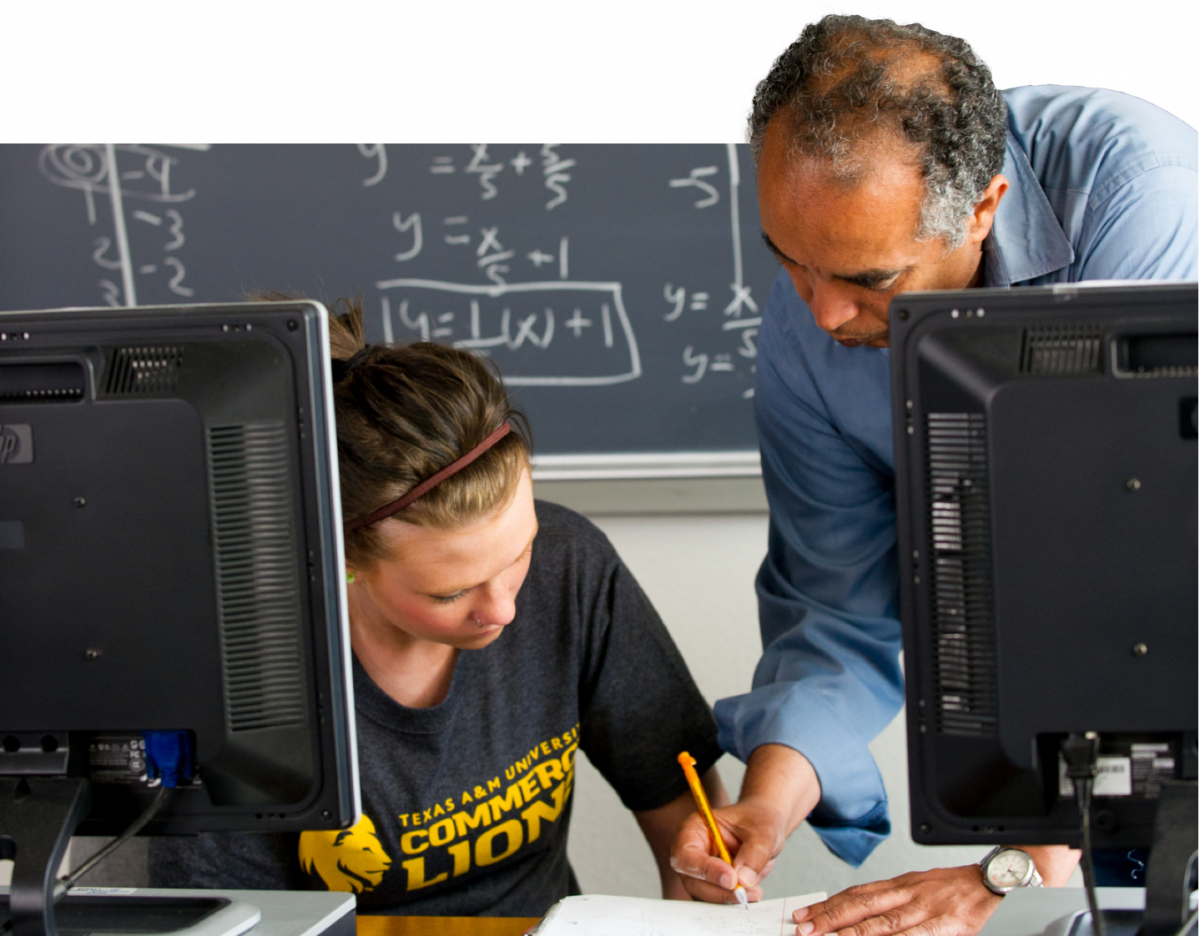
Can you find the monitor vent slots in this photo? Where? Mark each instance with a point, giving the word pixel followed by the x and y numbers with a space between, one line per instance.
pixel 1062 350
pixel 258 580
pixel 144 371
pixel 961 587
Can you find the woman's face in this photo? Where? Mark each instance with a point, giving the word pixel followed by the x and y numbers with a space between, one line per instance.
pixel 456 587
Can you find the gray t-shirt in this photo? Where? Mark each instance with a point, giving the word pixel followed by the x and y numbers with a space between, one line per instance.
pixel 466 804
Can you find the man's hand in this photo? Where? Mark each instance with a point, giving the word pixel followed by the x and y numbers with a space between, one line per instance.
pixel 941 902
pixel 778 792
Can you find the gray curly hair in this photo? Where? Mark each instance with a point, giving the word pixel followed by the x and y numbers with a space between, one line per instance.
pixel 847 77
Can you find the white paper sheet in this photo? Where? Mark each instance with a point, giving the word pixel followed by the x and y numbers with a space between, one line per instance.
pixel 596 915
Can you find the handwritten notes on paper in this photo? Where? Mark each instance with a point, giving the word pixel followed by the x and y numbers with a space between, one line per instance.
pixel 596 915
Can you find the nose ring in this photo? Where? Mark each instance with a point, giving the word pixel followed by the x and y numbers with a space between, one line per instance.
pixel 479 623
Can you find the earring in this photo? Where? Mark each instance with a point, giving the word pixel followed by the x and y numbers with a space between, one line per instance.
pixel 349 578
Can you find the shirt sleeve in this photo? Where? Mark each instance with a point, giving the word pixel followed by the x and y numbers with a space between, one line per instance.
pixel 829 680
pixel 639 706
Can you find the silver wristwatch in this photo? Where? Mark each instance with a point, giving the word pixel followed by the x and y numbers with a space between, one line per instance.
pixel 1005 869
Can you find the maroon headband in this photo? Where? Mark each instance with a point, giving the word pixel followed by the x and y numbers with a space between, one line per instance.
pixel 431 482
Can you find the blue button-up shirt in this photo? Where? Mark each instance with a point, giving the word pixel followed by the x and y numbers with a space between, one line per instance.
pixel 1101 186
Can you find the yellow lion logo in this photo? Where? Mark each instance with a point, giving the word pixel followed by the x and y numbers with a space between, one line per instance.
pixel 350 860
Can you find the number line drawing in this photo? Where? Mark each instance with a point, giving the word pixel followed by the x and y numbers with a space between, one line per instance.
pixel 114 190
pixel 742 301
pixel 611 307
pixel 741 292
pixel 94 168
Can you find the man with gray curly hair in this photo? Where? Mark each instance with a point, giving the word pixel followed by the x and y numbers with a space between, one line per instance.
pixel 835 93
pixel 888 162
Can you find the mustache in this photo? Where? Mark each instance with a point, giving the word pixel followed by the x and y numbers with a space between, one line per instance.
pixel 840 335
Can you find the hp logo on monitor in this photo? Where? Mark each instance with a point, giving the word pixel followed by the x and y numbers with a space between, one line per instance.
pixel 16 444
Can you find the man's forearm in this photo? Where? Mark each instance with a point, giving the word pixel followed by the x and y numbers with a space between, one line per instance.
pixel 782 777
pixel 1055 863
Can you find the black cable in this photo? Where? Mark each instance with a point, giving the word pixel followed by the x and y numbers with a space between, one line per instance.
pixel 1080 752
pixel 134 828
pixel 1083 793
pixel 64 883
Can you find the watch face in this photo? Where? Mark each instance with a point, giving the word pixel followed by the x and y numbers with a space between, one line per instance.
pixel 1009 868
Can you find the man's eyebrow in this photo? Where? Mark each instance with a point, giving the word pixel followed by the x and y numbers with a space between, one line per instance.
pixel 775 250
pixel 868 279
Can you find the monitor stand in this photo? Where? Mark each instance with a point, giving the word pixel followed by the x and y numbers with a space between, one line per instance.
pixel 38 814
pixel 82 912
pixel 1171 870
pixel 274 913
pixel 37 818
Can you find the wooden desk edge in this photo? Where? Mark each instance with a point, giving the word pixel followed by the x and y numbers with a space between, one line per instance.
pixel 444 926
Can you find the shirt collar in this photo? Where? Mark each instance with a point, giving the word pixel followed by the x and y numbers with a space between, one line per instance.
pixel 1027 239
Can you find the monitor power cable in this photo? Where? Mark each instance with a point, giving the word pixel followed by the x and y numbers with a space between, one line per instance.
pixel 67 880
pixel 1080 752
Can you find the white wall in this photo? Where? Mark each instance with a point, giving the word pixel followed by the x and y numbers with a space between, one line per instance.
pixel 699 571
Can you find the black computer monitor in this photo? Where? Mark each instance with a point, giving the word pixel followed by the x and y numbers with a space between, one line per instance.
pixel 171 573
pixel 1046 493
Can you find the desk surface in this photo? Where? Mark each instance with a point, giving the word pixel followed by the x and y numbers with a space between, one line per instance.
pixel 309 913
pixel 443 926
pixel 1030 911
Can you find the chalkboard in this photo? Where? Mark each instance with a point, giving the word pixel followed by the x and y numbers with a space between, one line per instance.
pixel 617 287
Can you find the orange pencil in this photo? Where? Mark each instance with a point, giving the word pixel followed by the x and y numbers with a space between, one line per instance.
pixel 688 763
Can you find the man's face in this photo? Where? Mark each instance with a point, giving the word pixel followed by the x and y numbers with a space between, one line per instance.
pixel 850 250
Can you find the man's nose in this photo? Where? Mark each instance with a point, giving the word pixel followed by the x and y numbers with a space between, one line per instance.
pixel 832 307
